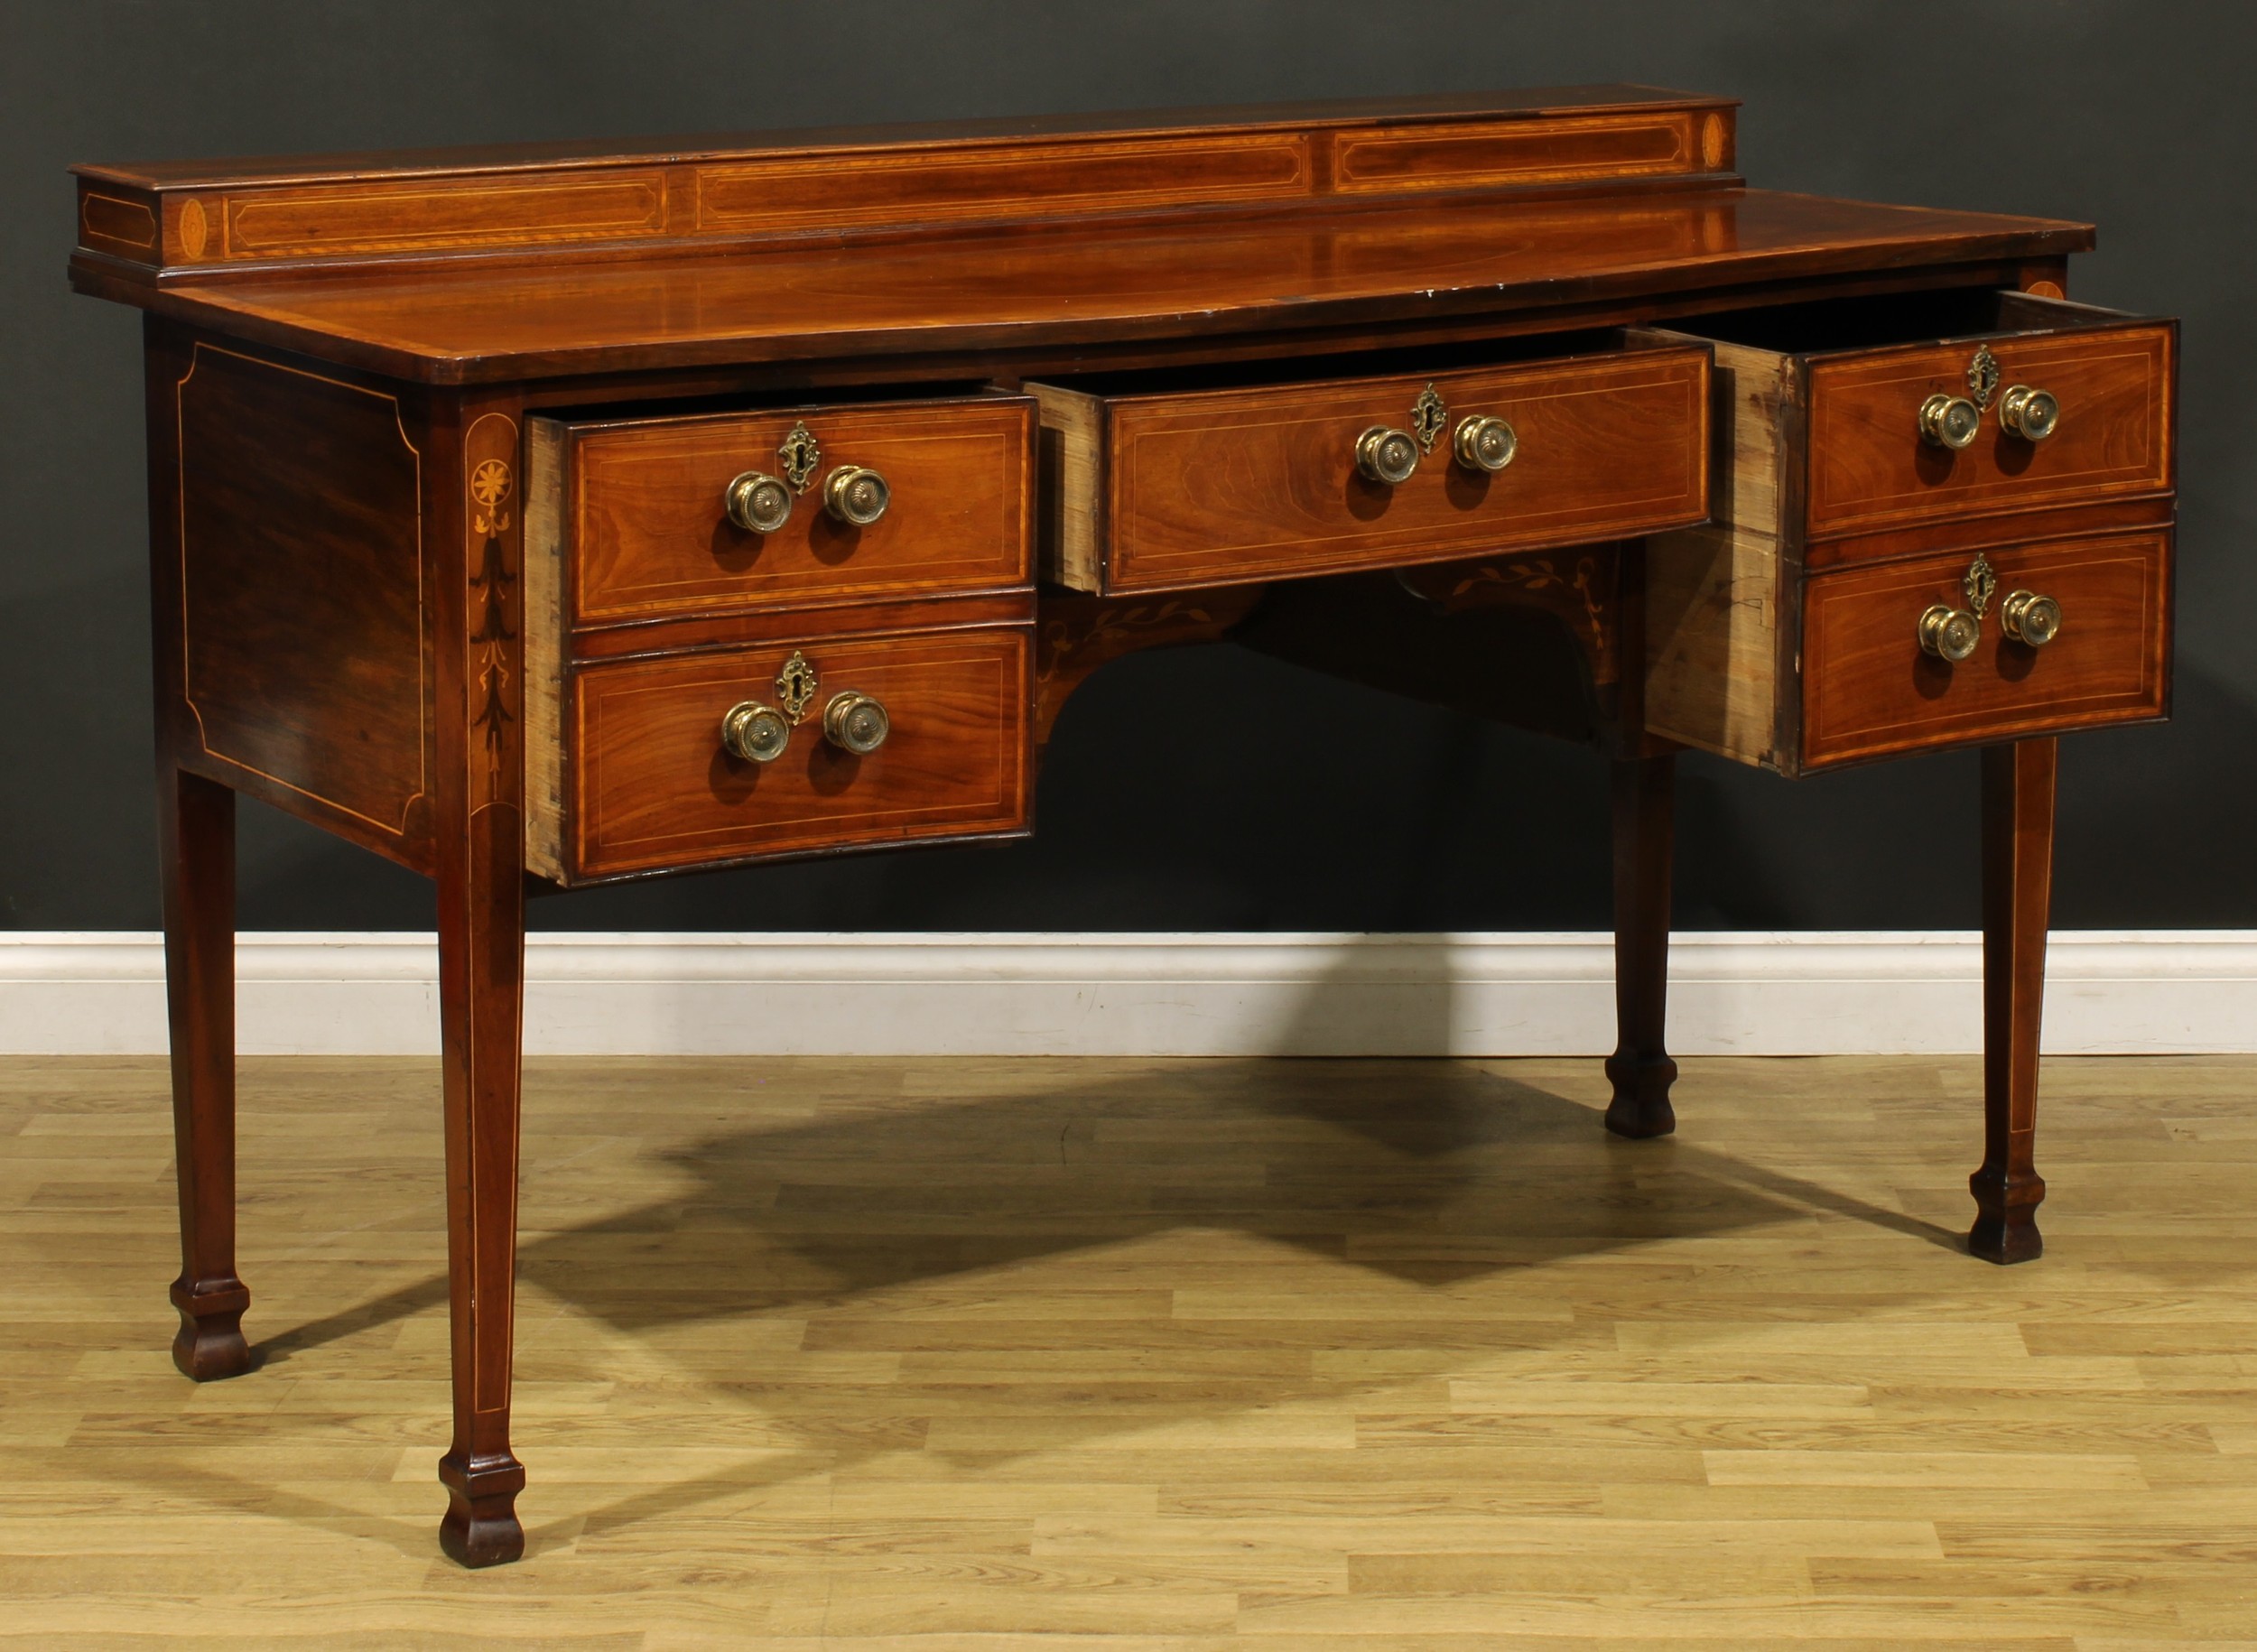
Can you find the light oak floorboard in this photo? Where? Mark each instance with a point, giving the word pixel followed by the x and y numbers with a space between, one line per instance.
pixel 1116 1356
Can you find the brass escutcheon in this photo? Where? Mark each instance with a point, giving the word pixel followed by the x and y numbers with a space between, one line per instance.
pixel 1979 581
pixel 1982 376
pixel 800 455
pixel 796 687
pixel 1428 416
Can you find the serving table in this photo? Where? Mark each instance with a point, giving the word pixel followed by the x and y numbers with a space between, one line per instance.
pixel 549 516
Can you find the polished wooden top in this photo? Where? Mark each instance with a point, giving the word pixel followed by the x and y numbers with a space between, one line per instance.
pixel 1545 209
pixel 1052 287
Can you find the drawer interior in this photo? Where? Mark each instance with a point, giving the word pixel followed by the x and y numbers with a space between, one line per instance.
pixel 1884 320
pixel 1117 383
pixel 618 411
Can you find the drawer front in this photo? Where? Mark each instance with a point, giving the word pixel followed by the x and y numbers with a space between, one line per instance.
pixel 651 535
pixel 653 786
pixel 1869 688
pixel 1870 468
pixel 1224 487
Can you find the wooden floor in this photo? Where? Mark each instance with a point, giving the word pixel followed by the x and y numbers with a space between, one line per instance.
pixel 967 1355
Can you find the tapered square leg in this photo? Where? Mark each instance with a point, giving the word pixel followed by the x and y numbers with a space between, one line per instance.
pixel 2018 792
pixel 479 844
pixel 196 829
pixel 1640 1069
pixel 481 964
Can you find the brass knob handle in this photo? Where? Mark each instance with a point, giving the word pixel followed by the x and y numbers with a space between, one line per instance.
pixel 1485 442
pixel 2031 415
pixel 854 722
pixel 855 495
pixel 1949 634
pixel 755 732
pixel 758 502
pixel 1949 420
pixel 1386 456
pixel 2029 619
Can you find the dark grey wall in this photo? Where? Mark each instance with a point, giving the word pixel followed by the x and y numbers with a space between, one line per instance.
pixel 2135 114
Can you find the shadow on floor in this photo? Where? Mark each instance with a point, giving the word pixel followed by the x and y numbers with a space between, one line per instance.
pixel 1429 1175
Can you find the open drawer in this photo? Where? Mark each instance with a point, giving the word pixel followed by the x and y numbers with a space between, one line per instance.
pixel 1153 481
pixel 1856 416
pixel 659 515
pixel 1880 460
pixel 777 631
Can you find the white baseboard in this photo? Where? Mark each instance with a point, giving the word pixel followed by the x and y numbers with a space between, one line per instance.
pixel 1791 993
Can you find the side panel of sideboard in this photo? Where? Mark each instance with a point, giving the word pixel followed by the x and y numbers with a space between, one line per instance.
pixel 294 647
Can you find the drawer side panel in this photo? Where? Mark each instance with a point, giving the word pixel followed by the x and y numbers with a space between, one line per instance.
pixel 1070 515
pixel 1715 598
pixel 545 629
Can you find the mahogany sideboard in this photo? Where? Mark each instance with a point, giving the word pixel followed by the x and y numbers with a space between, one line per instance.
pixel 543 517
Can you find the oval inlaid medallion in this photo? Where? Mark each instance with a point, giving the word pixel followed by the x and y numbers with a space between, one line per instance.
pixel 192 228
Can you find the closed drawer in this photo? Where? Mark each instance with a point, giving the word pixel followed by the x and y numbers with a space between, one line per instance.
pixel 1869 687
pixel 641 505
pixel 1151 489
pixel 1751 660
pixel 1826 403
pixel 650 783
